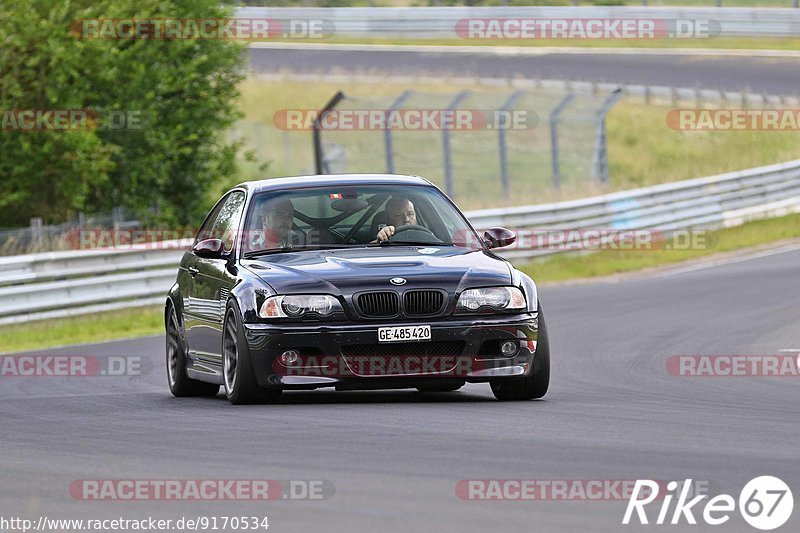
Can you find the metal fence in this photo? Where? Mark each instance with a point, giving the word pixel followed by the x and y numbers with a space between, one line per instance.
pixel 40 237
pixel 288 152
pixel 508 145
pixel 58 284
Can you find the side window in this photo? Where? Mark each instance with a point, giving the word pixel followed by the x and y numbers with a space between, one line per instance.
pixel 227 220
pixel 205 231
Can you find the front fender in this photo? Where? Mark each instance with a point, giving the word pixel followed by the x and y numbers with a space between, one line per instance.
pixel 246 295
pixel 529 287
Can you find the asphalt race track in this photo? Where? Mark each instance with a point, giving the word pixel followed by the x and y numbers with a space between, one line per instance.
pixel 394 458
pixel 751 74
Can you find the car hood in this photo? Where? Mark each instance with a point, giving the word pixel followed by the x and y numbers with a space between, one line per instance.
pixel 346 271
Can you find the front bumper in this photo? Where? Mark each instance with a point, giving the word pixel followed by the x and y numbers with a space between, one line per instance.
pixel 348 355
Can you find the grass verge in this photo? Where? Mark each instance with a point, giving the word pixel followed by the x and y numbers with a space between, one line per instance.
pixel 81 329
pixel 564 267
pixel 149 321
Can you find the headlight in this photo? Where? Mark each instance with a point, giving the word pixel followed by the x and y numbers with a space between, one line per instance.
pixel 301 305
pixel 490 299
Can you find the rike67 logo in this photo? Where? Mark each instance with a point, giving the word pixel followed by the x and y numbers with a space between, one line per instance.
pixel 766 503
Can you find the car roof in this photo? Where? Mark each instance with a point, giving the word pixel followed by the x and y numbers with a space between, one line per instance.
pixel 294 182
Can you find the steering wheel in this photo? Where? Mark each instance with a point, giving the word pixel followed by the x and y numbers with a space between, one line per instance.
pixel 413 227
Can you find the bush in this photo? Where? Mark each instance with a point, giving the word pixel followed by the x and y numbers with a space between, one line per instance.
pixel 182 91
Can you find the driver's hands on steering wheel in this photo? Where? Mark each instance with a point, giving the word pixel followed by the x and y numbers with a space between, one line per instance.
pixel 385 233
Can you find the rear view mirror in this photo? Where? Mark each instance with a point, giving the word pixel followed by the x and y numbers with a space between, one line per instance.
pixel 499 237
pixel 209 249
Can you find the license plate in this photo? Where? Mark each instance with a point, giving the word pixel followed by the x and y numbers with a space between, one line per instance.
pixel 404 334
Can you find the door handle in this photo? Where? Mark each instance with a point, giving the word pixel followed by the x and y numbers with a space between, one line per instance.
pixel 193 271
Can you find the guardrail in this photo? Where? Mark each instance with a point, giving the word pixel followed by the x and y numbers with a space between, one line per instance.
pixel 725 200
pixel 440 22
pixel 56 284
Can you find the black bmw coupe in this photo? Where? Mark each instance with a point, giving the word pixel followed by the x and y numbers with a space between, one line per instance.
pixel 353 282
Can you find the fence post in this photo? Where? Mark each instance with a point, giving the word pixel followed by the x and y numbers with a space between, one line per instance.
pixel 116 218
pixel 36 230
pixel 387 133
pixel 600 163
pixel 448 163
pixel 501 126
pixel 554 114
pixel 319 157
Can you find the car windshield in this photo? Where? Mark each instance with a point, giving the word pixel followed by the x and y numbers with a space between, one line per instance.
pixel 354 216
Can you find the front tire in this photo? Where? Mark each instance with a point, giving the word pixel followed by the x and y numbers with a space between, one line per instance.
pixel 536 383
pixel 241 386
pixel 180 384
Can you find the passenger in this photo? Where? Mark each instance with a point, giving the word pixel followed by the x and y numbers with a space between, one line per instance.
pixel 277 216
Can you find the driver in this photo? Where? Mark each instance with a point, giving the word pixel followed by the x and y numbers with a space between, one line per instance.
pixel 399 212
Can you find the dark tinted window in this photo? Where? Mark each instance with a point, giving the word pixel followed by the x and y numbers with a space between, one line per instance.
pixel 224 220
pixel 227 222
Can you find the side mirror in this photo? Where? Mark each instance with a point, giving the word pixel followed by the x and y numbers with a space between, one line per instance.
pixel 499 237
pixel 209 249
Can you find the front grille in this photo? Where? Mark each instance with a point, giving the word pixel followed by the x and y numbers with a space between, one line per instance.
pixel 405 358
pixel 418 303
pixel 399 349
pixel 378 304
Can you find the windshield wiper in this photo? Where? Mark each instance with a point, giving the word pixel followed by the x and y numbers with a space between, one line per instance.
pixel 295 249
pixel 414 243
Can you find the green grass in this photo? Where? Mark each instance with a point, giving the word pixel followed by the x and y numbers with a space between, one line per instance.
pixel 564 267
pixel 81 329
pixel 644 151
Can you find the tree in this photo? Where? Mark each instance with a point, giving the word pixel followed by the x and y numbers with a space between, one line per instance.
pixel 181 91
